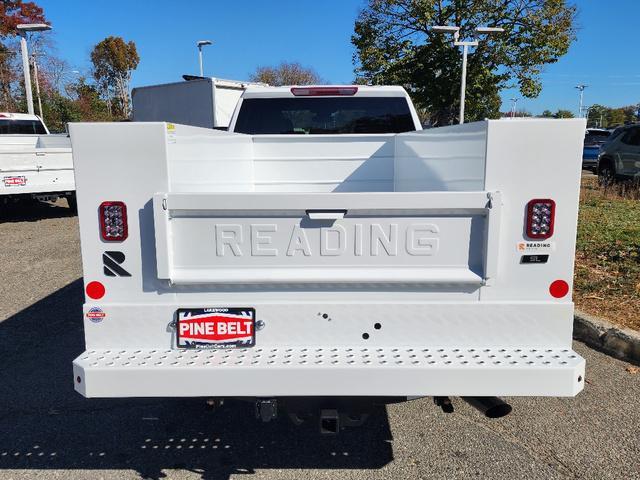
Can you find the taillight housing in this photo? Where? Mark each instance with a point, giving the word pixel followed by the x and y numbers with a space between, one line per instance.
pixel 323 91
pixel 113 221
pixel 541 213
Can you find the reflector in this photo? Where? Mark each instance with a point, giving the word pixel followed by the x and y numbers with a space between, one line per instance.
pixel 95 290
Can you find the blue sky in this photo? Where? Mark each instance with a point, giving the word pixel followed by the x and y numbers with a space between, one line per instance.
pixel 253 32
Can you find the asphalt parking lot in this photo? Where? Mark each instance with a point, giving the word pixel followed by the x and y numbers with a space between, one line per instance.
pixel 49 431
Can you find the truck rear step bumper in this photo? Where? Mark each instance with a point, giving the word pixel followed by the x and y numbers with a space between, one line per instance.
pixel 330 371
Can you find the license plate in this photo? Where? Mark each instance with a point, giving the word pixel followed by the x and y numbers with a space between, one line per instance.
pixel 216 327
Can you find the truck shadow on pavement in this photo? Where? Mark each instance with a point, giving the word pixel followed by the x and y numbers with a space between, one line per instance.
pixel 34 211
pixel 45 424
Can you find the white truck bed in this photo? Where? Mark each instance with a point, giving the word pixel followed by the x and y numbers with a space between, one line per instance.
pixel 375 264
pixel 35 164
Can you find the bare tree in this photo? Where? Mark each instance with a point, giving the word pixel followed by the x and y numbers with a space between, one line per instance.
pixel 286 74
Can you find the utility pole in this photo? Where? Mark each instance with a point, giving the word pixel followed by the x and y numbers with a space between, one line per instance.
pixel 465 51
pixel 581 87
pixel 35 76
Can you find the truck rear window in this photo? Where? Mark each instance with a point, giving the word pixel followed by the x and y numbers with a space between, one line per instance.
pixel 21 127
pixel 324 115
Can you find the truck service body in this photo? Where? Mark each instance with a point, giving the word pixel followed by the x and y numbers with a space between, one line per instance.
pixel 201 101
pixel 328 266
pixel 33 162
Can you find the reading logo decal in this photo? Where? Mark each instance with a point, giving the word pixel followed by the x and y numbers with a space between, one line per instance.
pixel 112 264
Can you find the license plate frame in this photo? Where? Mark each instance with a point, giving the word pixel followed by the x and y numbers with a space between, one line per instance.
pixel 199 328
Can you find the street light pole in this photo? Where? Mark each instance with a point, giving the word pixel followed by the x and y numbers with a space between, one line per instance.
pixel 581 87
pixel 27 75
pixel 465 51
pixel 22 31
pixel 200 44
pixel 514 102
pixel 463 81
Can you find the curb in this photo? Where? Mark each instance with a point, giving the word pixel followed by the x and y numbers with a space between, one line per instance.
pixel 622 343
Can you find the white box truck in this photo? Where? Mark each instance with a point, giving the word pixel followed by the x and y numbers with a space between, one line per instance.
pixel 33 162
pixel 200 101
pixel 326 254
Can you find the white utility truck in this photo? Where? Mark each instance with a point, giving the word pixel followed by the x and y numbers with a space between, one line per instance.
pixel 33 162
pixel 327 254
pixel 199 101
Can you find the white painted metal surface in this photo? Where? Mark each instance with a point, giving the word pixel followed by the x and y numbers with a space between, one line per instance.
pixel 380 238
pixel 256 91
pixel 35 164
pixel 207 102
pixel 472 182
pixel 326 370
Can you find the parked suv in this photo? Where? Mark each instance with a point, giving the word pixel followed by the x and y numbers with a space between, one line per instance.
pixel 593 140
pixel 620 157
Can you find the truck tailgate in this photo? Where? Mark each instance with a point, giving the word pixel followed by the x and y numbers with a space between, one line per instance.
pixel 382 237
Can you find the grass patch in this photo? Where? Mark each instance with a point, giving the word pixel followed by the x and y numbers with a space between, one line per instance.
pixel 607 279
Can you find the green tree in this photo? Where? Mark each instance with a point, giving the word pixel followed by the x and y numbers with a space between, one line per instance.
pixel 597 116
pixel 395 44
pixel 631 113
pixel 91 106
pixel 59 110
pixel 113 62
pixel 547 114
pixel 286 74
pixel 607 117
pixel 563 114
pixel 616 117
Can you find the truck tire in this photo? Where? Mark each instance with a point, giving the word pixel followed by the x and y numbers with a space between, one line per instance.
pixel 606 173
pixel 73 203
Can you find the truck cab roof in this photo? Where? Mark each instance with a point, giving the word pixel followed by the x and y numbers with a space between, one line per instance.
pixel 325 109
pixel 340 90
pixel 21 124
pixel 18 116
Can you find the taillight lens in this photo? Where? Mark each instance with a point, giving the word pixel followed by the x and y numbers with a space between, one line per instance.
pixel 323 91
pixel 113 221
pixel 540 218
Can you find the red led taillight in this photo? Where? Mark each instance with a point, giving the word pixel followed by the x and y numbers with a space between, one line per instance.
pixel 323 91
pixel 113 221
pixel 540 218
